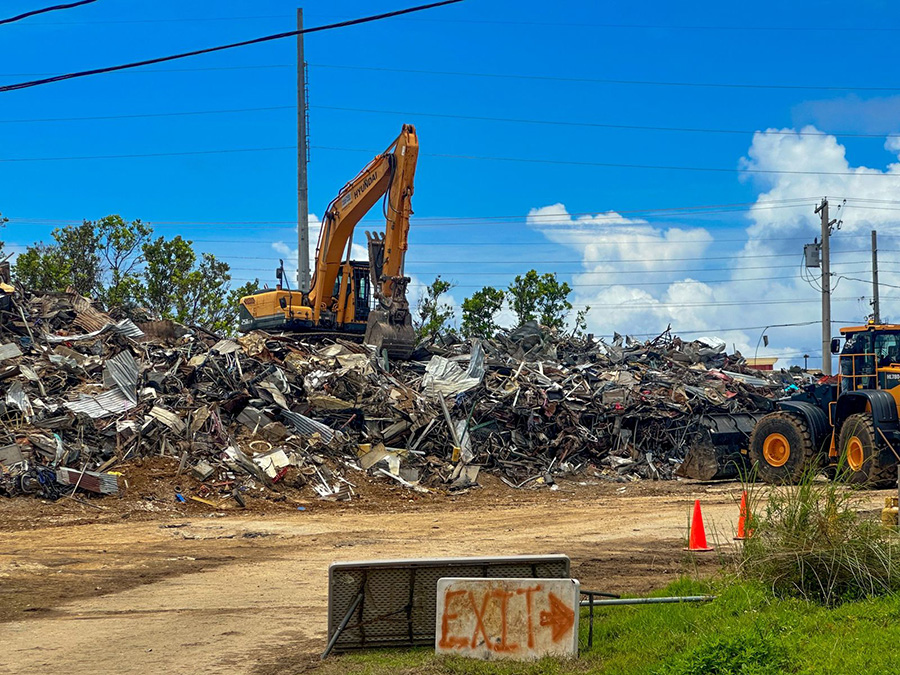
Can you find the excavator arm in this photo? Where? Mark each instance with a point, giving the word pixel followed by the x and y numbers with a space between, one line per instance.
pixel 329 306
pixel 391 173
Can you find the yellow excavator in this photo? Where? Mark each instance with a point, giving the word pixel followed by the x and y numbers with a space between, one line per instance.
pixel 351 297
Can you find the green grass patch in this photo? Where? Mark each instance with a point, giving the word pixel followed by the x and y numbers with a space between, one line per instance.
pixel 745 631
pixel 811 541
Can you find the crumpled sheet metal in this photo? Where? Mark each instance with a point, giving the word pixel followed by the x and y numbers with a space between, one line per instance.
pixel 10 350
pixel 123 372
pixel 524 406
pixel 446 378
pixel 17 398
pixel 125 328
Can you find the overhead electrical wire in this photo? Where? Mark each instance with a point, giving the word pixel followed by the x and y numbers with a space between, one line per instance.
pixel 602 125
pixel 208 50
pixel 476 118
pixel 36 12
pixel 456 221
pixel 507 22
pixel 590 80
pixel 515 76
pixel 491 158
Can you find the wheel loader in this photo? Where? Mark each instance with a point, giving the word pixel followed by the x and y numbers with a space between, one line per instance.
pixel 349 297
pixel 851 424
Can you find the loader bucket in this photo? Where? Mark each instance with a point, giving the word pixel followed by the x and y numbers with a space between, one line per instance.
pixel 399 339
pixel 718 449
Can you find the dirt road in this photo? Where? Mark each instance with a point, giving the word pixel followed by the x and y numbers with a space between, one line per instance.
pixel 248 594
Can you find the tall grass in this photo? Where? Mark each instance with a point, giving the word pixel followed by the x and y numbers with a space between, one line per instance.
pixel 811 541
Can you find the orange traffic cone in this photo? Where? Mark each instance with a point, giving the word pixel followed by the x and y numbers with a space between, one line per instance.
pixel 697 535
pixel 743 532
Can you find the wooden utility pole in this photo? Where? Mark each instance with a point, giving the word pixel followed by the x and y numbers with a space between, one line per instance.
pixel 822 210
pixel 876 307
pixel 302 159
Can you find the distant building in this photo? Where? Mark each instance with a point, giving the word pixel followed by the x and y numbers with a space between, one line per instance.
pixel 763 363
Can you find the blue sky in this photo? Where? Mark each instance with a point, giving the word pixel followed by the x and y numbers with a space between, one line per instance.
pixel 471 221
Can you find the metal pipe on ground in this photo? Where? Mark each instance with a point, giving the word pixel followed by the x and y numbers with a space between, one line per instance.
pixel 647 601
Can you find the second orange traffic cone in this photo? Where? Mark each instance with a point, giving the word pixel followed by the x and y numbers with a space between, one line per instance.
pixel 697 534
pixel 743 532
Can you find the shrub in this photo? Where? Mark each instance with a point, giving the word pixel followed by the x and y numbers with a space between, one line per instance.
pixel 812 542
pixel 744 654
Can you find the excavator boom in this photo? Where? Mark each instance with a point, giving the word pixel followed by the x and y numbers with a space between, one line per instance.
pixel 339 295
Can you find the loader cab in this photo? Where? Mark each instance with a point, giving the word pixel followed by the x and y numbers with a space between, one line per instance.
pixel 870 358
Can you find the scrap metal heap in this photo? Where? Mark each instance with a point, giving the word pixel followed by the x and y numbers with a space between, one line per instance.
pixel 84 394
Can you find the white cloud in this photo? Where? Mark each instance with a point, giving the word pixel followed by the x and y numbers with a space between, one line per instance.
pixel 763 286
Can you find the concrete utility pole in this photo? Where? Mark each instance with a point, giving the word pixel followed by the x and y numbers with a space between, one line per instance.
pixel 822 210
pixel 876 308
pixel 302 158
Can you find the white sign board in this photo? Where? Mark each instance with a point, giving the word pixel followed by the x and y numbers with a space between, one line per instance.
pixel 521 619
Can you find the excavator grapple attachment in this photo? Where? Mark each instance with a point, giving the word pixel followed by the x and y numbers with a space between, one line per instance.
pixel 397 337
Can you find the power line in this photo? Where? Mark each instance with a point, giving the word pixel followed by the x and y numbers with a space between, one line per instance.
pixel 54 8
pixel 420 221
pixel 529 160
pixel 233 45
pixel 146 154
pixel 142 115
pixel 445 273
pixel 541 24
pixel 515 76
pixel 492 158
pixel 598 125
pixel 567 261
pixel 588 80
pixel 475 118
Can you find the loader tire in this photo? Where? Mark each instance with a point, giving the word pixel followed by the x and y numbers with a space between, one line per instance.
pixel 781 448
pixel 861 457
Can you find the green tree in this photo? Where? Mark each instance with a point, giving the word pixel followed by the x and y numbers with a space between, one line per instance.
pixel 479 310
pixel 178 287
pixel 168 262
pixel 97 259
pixel 580 328
pixel 121 249
pixel 541 297
pixel 42 268
pixel 72 260
pixel 433 314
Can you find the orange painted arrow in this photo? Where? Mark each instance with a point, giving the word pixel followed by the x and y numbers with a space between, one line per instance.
pixel 560 618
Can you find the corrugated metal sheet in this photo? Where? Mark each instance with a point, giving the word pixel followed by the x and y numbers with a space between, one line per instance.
pixel 101 483
pixel 112 402
pixel 123 372
pixel 125 327
pixel 308 427
pixel 89 317
pixel 128 328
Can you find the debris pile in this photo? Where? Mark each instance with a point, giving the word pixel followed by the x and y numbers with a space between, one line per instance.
pixel 85 392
